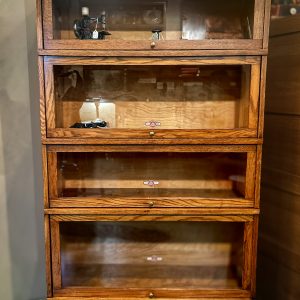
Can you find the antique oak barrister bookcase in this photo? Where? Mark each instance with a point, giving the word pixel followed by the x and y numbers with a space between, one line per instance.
pixel 162 201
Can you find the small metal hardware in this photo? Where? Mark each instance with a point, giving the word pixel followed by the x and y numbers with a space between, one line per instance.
pixel 151 183
pixel 151 133
pixel 151 204
pixel 151 295
pixel 152 124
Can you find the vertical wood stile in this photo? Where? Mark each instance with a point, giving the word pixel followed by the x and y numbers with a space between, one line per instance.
pixel 248 257
pixel 55 254
pixel 48 255
pixel 250 175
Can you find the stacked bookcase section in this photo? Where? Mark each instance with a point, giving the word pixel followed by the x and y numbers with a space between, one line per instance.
pixel 152 126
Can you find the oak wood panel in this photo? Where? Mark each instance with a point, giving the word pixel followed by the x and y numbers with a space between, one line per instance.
pixel 152 148
pixel 248 241
pixel 45 177
pixel 283 75
pixel 125 298
pixel 53 174
pixel 259 9
pixel 171 114
pixel 254 255
pixel 267 16
pixel 282 143
pixel 151 202
pixel 145 134
pixel 39 24
pixel 49 96
pixel 177 213
pixel 250 175
pixel 281 282
pixel 283 26
pixel 151 53
pixel 242 44
pixel 211 141
pixel 55 254
pixel 174 293
pixel 254 96
pixel 48 255
pixel 261 115
pixel 153 61
pixel 43 125
pixel 280 223
pixel 258 176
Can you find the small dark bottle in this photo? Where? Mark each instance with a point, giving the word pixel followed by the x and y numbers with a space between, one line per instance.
pixel 82 28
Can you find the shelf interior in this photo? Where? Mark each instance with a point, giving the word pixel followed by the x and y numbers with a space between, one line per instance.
pixel 151 254
pixel 149 175
pixel 160 97
pixel 177 19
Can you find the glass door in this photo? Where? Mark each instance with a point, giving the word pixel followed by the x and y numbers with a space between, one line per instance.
pixel 149 259
pixel 152 24
pixel 156 177
pixel 150 98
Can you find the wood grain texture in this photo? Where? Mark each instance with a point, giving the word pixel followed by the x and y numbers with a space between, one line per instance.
pixel 49 96
pixel 258 24
pixel 258 176
pixel 45 177
pixel 42 97
pixel 152 61
pixel 207 141
pixel 179 114
pixel 48 255
pixel 144 134
pixel 284 26
pixel 151 53
pixel 242 44
pixel 261 115
pixel 159 213
pixel 279 244
pixel 138 298
pixel 144 294
pixel 250 175
pixel 39 25
pixel 267 16
pixel 248 256
pixel 254 96
pixel 47 10
pixel 160 202
pixel 53 175
pixel 55 254
pixel 254 255
pixel 152 148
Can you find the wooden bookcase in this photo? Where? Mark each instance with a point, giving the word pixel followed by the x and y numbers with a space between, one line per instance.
pixel 161 200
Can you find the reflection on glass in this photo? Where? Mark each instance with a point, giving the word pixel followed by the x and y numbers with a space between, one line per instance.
pixel 148 175
pixel 151 254
pixel 176 19
pixel 141 97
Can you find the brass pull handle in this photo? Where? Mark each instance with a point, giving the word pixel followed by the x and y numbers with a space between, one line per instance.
pixel 152 44
pixel 151 204
pixel 151 183
pixel 152 133
pixel 151 295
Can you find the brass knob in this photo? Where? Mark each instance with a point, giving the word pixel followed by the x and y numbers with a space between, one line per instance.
pixel 151 204
pixel 152 44
pixel 151 295
pixel 151 133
